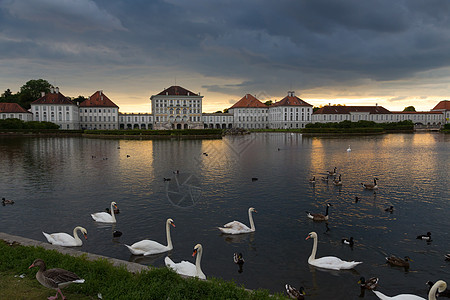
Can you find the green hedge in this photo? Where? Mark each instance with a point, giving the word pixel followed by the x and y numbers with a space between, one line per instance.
pixel 343 130
pixel 19 124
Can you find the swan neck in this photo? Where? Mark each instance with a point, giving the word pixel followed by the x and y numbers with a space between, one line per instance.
pixel 435 288
pixel 75 233
pixel 112 213
pixel 197 262
pixel 250 217
pixel 169 240
pixel 326 212
pixel 314 250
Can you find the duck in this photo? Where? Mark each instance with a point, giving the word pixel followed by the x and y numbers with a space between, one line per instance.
pixel 176 172
pixel 238 259
pixel 116 211
pixel 312 180
pixel 438 286
pixel 236 227
pixel 66 240
pixel 7 201
pixel 254 179
pixel 426 237
pixel 338 181
pixel 389 209
pixel 370 284
pixel 447 256
pixel 328 262
pixel 104 217
pixel 205 154
pixel 349 241
pixel 444 293
pixel 332 173
pixel 324 178
pixel 319 217
pixel 128 156
pixel 399 262
pixel 166 179
pixel 349 149
pixel 188 268
pixel 54 278
pixel 294 293
pixel 370 186
pixel 117 233
pixel 149 247
pixel 357 199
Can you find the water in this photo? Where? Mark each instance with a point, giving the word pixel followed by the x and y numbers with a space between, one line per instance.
pixel 58 182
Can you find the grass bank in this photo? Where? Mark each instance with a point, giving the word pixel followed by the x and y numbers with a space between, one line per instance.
pixel 110 281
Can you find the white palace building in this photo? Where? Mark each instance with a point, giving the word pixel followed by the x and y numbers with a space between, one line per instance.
pixel 179 108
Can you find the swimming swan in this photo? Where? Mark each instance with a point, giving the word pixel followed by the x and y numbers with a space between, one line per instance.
pixel 104 217
pixel 438 286
pixel 149 247
pixel 188 268
pixel 236 227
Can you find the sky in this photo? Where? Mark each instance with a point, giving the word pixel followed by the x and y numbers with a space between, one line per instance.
pixel 353 52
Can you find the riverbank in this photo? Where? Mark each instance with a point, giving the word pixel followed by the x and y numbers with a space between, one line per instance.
pixel 112 278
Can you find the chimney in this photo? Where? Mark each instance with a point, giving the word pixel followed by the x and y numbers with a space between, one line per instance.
pixel 42 94
pixel 188 93
pixel 51 90
pixel 246 96
pixel 56 90
pixel 376 104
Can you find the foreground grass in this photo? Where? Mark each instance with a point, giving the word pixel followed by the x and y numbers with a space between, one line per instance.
pixel 111 282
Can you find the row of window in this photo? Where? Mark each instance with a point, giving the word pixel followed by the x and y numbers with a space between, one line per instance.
pixel 105 110
pixel 100 118
pixel 52 107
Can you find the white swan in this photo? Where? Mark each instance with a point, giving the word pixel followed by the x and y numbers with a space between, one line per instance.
pixel 104 217
pixel 149 247
pixel 188 268
pixel 236 227
pixel 349 149
pixel 328 262
pixel 64 239
pixel 439 285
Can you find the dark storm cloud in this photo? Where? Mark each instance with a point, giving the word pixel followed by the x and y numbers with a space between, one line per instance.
pixel 263 45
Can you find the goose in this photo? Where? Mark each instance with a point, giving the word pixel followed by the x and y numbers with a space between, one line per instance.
pixel 444 293
pixel 149 247
pixel 238 259
pixel 332 173
pixel 312 180
pixel 66 240
pixel 54 278
pixel 6 201
pixel 349 149
pixel 176 172
pixel 104 217
pixel 116 211
pixel 370 186
pixel 349 242
pixel 426 237
pixel 188 268
pixel 438 286
pixel 399 262
pixel 369 284
pixel 117 233
pixel 328 262
pixel 325 178
pixel 294 293
pixel 236 227
pixel 319 217
pixel 389 209
pixel 338 181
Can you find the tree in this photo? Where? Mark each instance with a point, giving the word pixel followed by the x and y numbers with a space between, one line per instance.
pixel 218 112
pixel 268 102
pixel 9 97
pixel 31 91
pixel 409 108
pixel 225 111
pixel 78 99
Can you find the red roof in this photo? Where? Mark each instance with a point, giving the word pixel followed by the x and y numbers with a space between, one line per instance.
pixel 249 101
pixel 291 100
pixel 416 112
pixel 53 98
pixel 349 109
pixel 443 105
pixel 12 108
pixel 98 99
pixel 177 91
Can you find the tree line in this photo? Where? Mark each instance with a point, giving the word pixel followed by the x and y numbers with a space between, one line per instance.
pixel 30 92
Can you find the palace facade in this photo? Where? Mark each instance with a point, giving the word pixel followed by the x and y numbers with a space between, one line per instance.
pixel 179 108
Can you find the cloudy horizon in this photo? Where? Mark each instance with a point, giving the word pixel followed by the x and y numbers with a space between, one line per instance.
pixel 390 53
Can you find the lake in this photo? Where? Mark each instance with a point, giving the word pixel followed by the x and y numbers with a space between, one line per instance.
pixel 57 182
